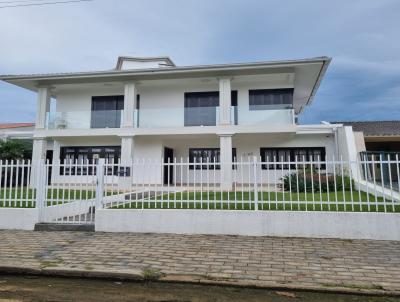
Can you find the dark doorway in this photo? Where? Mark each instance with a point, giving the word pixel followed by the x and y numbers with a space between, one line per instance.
pixel 168 169
pixel 49 159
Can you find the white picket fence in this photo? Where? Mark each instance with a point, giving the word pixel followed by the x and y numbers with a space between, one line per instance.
pixel 70 192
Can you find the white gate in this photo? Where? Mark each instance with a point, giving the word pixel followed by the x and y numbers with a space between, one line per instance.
pixel 67 192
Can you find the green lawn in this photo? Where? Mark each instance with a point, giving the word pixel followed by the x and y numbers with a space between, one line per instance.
pixel 338 201
pixel 22 198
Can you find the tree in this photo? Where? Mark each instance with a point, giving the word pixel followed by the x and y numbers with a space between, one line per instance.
pixel 15 150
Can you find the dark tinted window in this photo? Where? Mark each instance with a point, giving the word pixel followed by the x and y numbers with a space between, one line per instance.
pixel 106 111
pixel 313 154
pixel 201 108
pixel 206 155
pixel 265 99
pixel 86 157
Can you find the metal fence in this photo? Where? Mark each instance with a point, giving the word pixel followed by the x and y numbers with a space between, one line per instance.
pixel 299 184
pixel 15 191
pixel 70 192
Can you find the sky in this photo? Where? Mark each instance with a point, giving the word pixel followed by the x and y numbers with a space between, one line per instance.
pixel 361 36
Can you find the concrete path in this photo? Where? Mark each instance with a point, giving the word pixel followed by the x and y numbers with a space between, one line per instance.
pixel 321 264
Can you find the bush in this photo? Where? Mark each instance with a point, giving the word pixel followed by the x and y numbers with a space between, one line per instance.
pixel 312 180
pixel 15 150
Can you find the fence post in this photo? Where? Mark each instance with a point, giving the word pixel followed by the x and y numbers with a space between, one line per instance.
pixel 40 187
pixel 255 183
pixel 100 183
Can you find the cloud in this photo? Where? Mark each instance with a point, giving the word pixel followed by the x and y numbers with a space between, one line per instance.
pixel 360 35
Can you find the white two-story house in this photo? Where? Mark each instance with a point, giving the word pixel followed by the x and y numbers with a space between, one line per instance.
pixel 148 108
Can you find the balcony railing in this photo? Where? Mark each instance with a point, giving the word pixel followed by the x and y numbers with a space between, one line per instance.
pixel 84 119
pixel 176 117
pixel 272 115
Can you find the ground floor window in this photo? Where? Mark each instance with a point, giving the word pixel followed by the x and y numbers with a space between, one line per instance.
pixel 206 155
pixel 290 154
pixel 87 155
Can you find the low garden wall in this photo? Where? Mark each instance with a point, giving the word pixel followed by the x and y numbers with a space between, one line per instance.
pixel 344 225
pixel 18 218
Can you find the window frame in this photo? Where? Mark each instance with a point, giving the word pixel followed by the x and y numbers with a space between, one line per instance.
pixel 293 152
pixel 115 103
pixel 196 97
pixel 203 166
pixel 80 169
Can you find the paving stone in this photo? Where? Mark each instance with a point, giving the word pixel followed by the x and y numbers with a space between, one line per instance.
pixel 290 261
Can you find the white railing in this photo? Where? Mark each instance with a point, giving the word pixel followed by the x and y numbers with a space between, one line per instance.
pixel 84 119
pixel 70 192
pixel 313 185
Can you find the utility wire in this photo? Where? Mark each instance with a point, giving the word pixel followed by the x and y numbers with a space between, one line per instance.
pixel 44 3
pixel 16 1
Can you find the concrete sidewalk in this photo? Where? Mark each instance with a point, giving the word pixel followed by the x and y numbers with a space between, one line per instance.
pixel 318 264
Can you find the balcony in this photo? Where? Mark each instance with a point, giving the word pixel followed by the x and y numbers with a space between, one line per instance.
pixel 174 117
pixel 84 119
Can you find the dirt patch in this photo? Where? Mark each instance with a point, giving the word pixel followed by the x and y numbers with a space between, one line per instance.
pixel 35 289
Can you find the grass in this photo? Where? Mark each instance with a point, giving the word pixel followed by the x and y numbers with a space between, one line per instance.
pixel 339 201
pixel 24 198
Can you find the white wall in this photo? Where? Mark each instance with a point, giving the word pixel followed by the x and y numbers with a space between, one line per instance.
pixel 162 102
pixel 149 151
pixel 18 219
pixel 247 145
pixel 377 226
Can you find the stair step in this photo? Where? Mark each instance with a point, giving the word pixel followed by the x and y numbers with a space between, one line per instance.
pixel 57 227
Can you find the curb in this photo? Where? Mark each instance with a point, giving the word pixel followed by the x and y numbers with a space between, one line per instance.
pixel 136 276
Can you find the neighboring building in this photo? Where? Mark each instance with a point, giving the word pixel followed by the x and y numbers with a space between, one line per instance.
pixel 22 131
pixel 149 108
pixel 378 136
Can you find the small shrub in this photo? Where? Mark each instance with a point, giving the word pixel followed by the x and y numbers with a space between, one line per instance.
pixel 151 274
pixel 310 181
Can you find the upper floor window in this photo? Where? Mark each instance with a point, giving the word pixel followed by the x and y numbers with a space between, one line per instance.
pixel 201 108
pixel 266 99
pixel 106 111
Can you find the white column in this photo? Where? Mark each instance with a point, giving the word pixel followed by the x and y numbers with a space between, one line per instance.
pixel 43 106
pixel 39 149
pixel 129 104
pixel 225 101
pixel 38 157
pixel 127 147
pixel 225 145
pixel 55 172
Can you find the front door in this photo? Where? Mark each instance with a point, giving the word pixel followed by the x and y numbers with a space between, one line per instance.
pixel 168 167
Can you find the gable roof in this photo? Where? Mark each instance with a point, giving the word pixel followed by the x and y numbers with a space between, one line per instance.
pixel 16 125
pixel 375 128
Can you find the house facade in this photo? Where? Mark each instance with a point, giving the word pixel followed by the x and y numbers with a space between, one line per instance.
pixel 150 109
pixel 20 131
